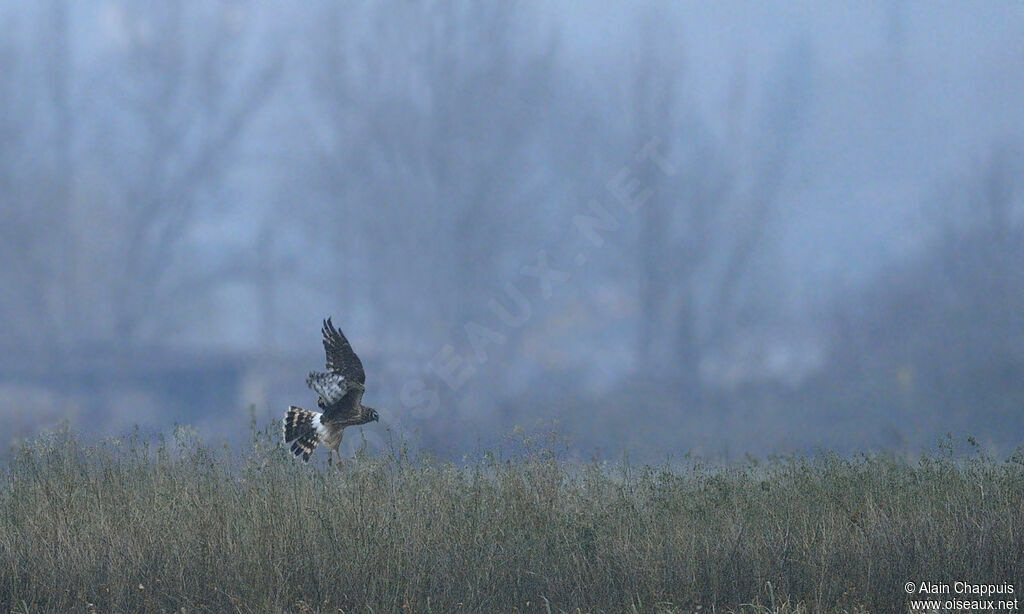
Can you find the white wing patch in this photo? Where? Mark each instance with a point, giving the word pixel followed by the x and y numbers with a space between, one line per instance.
pixel 330 386
pixel 318 424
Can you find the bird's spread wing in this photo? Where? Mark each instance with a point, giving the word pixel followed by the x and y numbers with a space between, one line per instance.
pixel 348 409
pixel 340 357
pixel 330 386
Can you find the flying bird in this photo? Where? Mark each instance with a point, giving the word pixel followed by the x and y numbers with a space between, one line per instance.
pixel 339 397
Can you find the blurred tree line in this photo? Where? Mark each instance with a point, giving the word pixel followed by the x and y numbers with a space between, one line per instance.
pixel 936 343
pixel 212 171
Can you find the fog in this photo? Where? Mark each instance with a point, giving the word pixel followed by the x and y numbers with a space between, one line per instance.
pixel 658 228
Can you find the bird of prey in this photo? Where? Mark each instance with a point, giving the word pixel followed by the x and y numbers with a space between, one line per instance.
pixel 340 399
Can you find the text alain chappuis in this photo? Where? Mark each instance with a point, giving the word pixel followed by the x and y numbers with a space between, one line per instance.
pixel 959 595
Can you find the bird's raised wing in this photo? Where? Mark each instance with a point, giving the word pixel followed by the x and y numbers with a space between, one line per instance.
pixel 340 357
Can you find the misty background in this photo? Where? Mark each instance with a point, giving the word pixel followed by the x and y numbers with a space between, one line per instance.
pixel 700 226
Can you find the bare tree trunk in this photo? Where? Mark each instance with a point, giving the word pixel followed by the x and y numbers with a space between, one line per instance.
pixel 687 353
pixel 62 181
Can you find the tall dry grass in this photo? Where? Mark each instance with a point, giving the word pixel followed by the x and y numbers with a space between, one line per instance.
pixel 135 526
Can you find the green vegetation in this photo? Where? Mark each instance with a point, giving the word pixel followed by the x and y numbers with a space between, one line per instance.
pixel 131 526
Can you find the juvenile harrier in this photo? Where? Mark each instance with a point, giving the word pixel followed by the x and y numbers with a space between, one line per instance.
pixel 340 397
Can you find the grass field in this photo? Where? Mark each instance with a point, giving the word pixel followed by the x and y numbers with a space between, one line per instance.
pixel 135 526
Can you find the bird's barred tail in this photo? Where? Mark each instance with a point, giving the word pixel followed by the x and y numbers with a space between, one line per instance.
pixel 299 426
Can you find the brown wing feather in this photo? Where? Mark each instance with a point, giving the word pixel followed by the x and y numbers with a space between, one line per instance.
pixel 340 357
pixel 349 410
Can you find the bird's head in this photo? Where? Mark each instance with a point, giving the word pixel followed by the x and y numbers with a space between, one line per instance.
pixel 373 414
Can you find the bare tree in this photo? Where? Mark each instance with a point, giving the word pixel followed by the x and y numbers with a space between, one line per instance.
pixel 33 200
pixel 182 96
pixel 936 339
pixel 702 225
pixel 59 85
pixel 431 119
pixel 104 170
